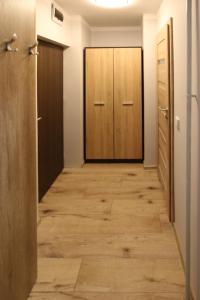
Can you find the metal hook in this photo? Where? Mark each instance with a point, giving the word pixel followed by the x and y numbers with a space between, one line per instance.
pixel 195 97
pixel 31 49
pixel 10 42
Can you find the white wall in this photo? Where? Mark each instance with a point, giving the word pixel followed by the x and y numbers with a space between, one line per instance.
pixel 73 93
pixel 150 89
pixel 195 168
pixel 116 37
pixel 47 28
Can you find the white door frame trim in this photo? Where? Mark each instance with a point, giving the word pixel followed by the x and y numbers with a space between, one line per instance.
pixel 188 149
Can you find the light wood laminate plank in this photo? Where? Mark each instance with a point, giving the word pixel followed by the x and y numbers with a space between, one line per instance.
pixel 130 275
pixel 114 219
pixel 57 274
pixel 106 296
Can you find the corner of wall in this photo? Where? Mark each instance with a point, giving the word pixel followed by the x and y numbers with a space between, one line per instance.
pixel 150 94
pixel 150 17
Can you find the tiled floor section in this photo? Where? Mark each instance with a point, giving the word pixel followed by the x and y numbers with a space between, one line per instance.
pixel 104 235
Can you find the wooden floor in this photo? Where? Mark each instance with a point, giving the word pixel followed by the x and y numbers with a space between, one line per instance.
pixel 104 235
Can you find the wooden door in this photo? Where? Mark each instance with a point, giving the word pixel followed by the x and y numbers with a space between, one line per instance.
pixel 99 104
pixel 163 85
pixel 128 135
pixel 50 115
pixel 18 214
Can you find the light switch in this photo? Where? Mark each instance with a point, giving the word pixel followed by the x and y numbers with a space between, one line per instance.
pixel 178 123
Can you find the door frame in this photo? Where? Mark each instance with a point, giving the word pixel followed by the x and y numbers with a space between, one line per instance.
pixel 140 161
pixel 171 68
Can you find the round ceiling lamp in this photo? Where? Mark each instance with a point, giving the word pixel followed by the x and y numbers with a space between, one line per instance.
pixel 112 3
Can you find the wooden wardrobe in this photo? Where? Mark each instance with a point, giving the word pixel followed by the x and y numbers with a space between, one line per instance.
pixel 113 104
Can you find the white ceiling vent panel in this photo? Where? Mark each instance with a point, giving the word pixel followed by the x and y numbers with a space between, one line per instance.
pixel 57 13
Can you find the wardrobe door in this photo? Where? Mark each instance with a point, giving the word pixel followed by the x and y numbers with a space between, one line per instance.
pixel 99 103
pixel 50 115
pixel 128 103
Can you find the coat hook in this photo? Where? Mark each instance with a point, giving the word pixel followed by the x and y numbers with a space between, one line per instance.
pixel 31 49
pixel 10 42
pixel 195 97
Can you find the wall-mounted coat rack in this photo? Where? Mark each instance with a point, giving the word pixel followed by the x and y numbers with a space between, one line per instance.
pixel 33 49
pixel 10 42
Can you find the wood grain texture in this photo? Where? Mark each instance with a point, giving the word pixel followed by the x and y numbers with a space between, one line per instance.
pixel 50 109
pixel 99 103
pixel 18 248
pixel 164 117
pixel 106 296
pixel 133 275
pixel 128 103
pixel 57 274
pixel 172 175
pixel 110 222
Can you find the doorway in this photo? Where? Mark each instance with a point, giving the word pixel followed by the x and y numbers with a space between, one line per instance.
pixel 50 114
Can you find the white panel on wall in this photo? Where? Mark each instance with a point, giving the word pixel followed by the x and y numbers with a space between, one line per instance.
pixel 150 90
pixel 116 37
pixel 73 93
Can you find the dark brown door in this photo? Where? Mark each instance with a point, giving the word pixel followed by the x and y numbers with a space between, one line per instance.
pixel 18 214
pixel 50 114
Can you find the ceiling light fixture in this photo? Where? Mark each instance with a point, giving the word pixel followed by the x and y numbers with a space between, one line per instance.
pixel 112 3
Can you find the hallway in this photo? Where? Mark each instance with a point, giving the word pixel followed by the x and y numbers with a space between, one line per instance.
pixel 104 235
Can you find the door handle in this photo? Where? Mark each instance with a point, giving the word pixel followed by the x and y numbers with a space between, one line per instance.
pixel 99 103
pixel 164 111
pixel 39 119
pixel 126 103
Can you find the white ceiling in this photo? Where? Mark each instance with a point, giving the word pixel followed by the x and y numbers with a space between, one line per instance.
pixel 98 16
